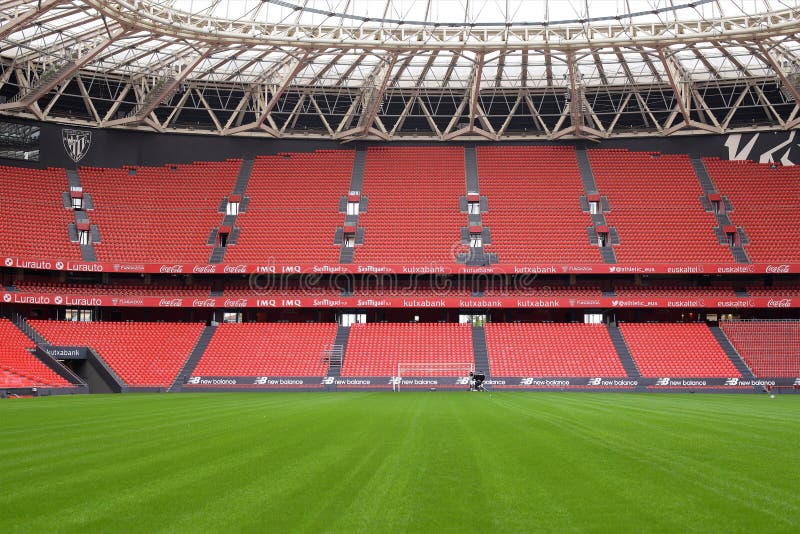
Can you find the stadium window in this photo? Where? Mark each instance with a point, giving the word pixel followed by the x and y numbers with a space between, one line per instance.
pixel 475 240
pixel 232 208
pixel 602 239
pixel 76 315
pixel 223 239
pixel 715 205
pixel 593 318
pixel 83 237
pixel 594 207
pixel 232 317
pixel 474 208
pixel 77 203
pixel 352 208
pixel 348 319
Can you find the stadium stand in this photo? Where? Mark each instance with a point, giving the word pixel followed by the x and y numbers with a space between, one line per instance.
pixel 158 214
pixel 143 354
pixel 267 349
pixel 497 288
pixel 413 212
pixel 294 208
pixel 770 349
pixel 122 290
pixel 676 350
pixel 18 367
pixel 765 204
pixel 655 206
pixel 551 350
pixel 775 290
pixel 263 285
pixel 534 204
pixel 35 222
pixel 674 292
pixel 375 349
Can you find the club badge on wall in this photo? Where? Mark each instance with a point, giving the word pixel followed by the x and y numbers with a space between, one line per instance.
pixel 76 143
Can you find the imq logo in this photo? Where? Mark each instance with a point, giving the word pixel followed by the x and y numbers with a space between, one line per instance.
pixel 76 143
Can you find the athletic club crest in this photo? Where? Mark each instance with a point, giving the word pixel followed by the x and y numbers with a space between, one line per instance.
pixel 76 143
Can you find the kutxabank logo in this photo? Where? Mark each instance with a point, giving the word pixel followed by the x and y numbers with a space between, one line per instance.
pixel 76 143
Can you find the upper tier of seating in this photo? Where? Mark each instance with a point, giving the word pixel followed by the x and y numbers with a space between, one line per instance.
pixel 766 203
pixel 534 205
pixel 551 350
pixel 676 350
pixel 771 349
pixel 413 214
pixel 655 207
pixel 34 221
pixel 292 212
pixel 158 214
pixel 18 367
pixel 376 349
pixel 268 349
pixel 142 354
pixel 294 208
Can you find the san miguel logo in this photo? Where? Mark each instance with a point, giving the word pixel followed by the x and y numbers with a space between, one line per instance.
pixel 76 143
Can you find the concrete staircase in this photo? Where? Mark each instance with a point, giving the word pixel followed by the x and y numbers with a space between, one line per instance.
pixel 28 330
pixel 587 176
pixel 480 350
pixel 738 252
pixel 243 178
pixel 335 361
pixel 194 358
pixel 702 175
pixel 731 352
pixel 623 352
pixel 471 168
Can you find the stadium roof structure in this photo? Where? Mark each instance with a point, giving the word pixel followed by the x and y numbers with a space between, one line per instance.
pixel 405 69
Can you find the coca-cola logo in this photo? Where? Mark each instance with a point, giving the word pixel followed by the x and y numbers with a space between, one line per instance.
pixel 170 303
pixel 204 269
pixel 235 303
pixel 777 268
pixel 203 303
pixel 237 269
pixel 782 303
pixel 171 269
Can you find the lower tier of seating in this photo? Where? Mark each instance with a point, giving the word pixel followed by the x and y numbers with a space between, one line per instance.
pixel 376 349
pixel 770 349
pixel 268 349
pixel 18 367
pixel 142 354
pixel 551 350
pixel 676 350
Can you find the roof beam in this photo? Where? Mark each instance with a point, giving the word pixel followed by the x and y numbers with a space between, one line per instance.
pixel 673 76
pixel 51 79
pixel 787 84
pixel 299 65
pixel 153 99
pixel 27 17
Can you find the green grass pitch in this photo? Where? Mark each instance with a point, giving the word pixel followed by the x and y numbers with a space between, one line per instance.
pixel 400 462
